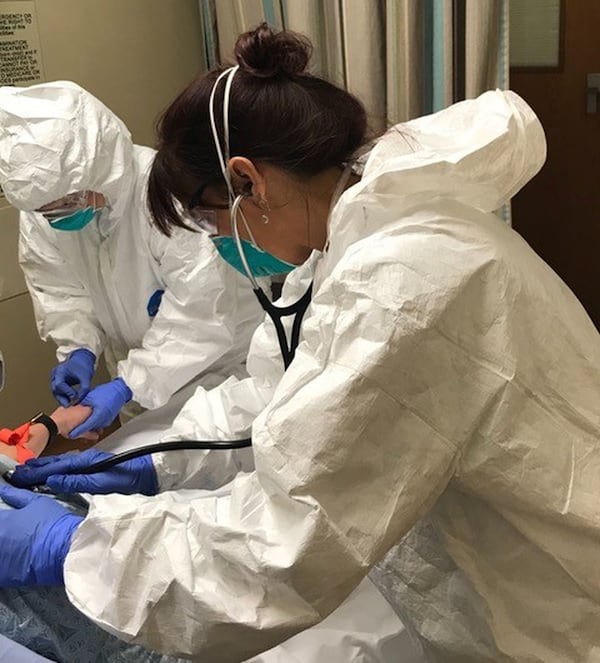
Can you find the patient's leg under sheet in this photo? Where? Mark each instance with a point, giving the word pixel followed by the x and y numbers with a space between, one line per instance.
pixel 43 620
pixel 363 629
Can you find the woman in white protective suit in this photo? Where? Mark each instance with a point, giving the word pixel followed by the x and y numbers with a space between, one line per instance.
pixel 438 424
pixel 101 277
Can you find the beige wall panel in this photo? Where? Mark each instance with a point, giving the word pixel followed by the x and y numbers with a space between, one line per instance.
pixel 134 55
pixel 11 276
pixel 28 364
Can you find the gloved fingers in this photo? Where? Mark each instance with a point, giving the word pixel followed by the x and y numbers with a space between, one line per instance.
pixel 43 460
pixel 80 431
pixel 95 421
pixel 87 430
pixel 62 400
pixel 81 393
pixel 64 394
pixel 79 483
pixel 92 435
pixel 85 386
pixel 17 497
pixel 31 474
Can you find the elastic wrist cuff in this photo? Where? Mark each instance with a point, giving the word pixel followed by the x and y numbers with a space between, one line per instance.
pixel 127 393
pixel 86 351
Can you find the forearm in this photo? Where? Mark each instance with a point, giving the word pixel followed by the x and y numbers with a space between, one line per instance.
pixel 68 418
pixel 287 613
pixel 25 442
pixel 8 451
pixel 30 441
pixel 38 439
pixel 293 538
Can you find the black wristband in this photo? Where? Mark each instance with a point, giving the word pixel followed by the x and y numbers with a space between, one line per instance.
pixel 48 422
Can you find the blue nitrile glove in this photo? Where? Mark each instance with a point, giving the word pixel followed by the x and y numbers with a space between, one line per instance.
pixel 35 538
pixel 59 473
pixel 106 402
pixel 78 368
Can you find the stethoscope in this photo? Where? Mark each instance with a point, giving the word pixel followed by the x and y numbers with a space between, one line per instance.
pixel 288 350
pixel 108 463
pixel 275 313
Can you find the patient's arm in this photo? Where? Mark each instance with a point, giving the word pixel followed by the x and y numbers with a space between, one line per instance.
pixel 66 420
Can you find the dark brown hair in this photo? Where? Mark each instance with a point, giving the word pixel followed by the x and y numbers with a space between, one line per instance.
pixel 278 113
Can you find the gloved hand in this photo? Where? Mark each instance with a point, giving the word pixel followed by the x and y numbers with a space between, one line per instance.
pixel 34 538
pixel 106 402
pixel 59 473
pixel 78 368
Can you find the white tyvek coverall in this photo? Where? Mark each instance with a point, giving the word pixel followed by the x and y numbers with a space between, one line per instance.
pixel 363 629
pixel 91 288
pixel 445 390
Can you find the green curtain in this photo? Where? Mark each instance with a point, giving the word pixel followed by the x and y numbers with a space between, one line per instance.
pixel 403 58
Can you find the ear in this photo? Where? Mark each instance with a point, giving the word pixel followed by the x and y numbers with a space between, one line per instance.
pixel 246 178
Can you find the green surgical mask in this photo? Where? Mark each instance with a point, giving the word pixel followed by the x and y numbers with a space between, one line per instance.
pixel 76 221
pixel 260 263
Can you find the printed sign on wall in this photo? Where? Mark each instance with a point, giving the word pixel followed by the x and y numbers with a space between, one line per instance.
pixel 20 53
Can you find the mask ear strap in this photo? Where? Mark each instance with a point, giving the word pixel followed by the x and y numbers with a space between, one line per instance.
pixel 235 208
pixel 226 98
pixel 223 155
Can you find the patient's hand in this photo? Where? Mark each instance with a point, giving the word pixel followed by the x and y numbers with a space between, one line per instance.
pixel 68 418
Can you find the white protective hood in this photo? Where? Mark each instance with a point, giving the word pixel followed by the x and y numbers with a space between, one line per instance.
pixel 50 146
pixel 478 152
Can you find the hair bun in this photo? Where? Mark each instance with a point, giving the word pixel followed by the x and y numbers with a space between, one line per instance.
pixel 267 54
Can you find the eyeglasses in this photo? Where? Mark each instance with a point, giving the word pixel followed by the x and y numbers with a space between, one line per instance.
pixel 206 219
pixel 65 206
pixel 204 214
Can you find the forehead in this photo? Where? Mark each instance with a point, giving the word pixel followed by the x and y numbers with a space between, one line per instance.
pixel 71 199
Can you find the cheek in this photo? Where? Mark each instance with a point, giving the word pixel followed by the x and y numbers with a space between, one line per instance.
pixel 224 222
pixel 253 221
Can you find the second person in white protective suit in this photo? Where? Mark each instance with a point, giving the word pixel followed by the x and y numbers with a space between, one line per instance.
pixel 102 278
pixel 437 426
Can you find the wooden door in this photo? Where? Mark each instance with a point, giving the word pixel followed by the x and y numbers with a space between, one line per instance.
pixel 558 213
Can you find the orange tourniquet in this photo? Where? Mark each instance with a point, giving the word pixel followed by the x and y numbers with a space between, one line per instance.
pixel 18 438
